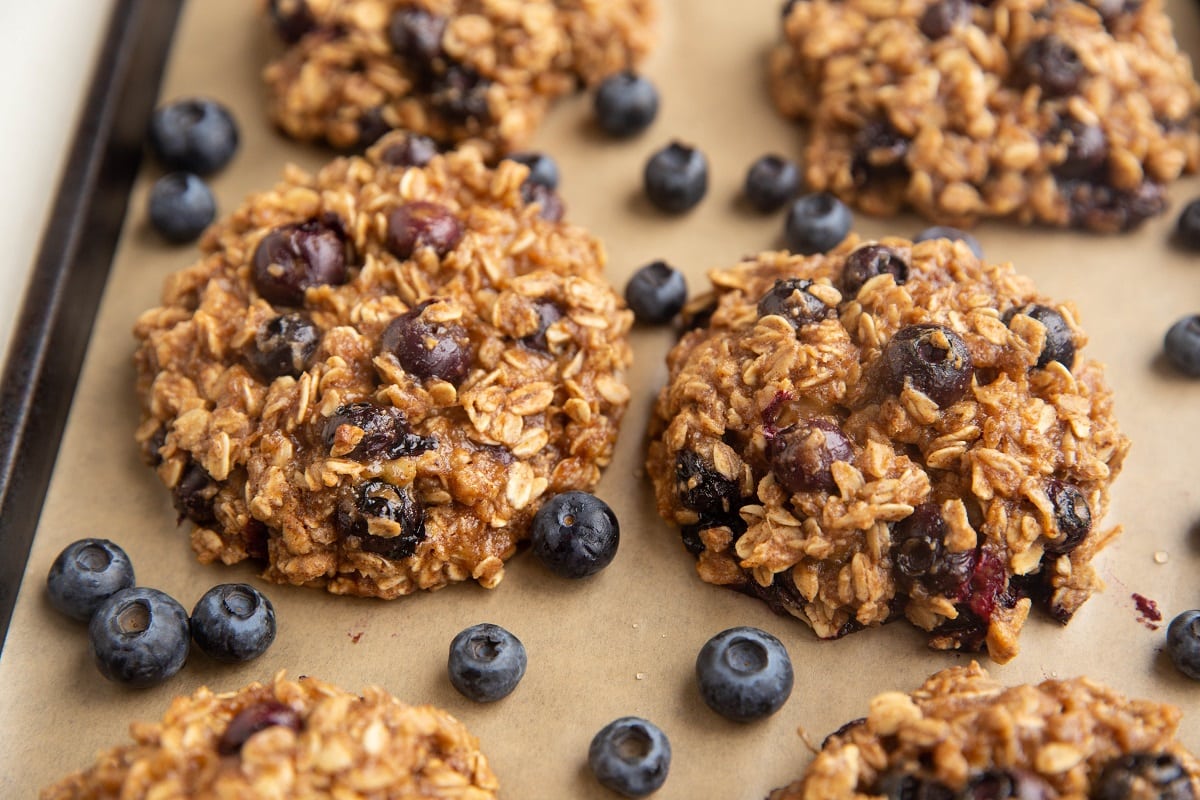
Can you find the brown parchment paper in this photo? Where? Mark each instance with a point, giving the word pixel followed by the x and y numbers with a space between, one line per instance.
pixel 625 641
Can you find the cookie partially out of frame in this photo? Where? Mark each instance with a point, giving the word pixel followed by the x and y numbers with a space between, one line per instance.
pixel 964 735
pixel 483 71
pixel 1060 112
pixel 301 738
pixel 891 429
pixel 376 374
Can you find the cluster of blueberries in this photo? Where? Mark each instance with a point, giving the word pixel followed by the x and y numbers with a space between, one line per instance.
pixel 140 637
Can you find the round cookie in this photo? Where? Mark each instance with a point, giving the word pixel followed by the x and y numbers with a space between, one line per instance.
pixel 375 375
pixel 1060 112
pixel 963 735
pixel 891 429
pixel 300 738
pixel 482 71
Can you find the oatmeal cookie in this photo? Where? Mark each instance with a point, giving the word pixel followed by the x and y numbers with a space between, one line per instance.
pixel 482 71
pixel 375 375
pixel 963 735
pixel 892 429
pixel 301 738
pixel 1061 112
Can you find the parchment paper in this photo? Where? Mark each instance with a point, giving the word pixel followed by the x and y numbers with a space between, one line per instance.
pixel 625 641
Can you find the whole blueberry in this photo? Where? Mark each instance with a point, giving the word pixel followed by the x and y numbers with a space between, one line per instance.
pixel 408 150
pixel 194 135
pixel 802 455
pixel 418 224
pixel 1182 345
pixel 428 348
pixel 140 637
pixel 933 357
pixel 233 622
pixel 744 673
pixel 284 346
pixel 770 182
pixel 953 234
pixel 791 299
pixel 816 223
pixel 1143 774
pixel 543 169
pixel 625 104
pixel 943 17
pixel 868 261
pixel 1052 64
pixel 1060 342
pixel 181 206
pixel 676 178
pixel 486 662
pixel 294 257
pixel 292 19
pixel 630 756
pixel 575 534
pixel 1187 227
pixel 656 293
pixel 85 574
pixel 1183 643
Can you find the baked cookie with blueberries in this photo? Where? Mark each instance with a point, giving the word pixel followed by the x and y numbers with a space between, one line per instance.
pixel 376 374
pixel 1070 113
pixel 891 429
pixel 964 735
pixel 481 71
pixel 302 738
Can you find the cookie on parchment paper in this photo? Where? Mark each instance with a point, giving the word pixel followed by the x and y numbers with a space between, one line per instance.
pixel 891 429
pixel 301 738
pixel 963 735
pixel 376 374
pixel 480 71
pixel 1059 112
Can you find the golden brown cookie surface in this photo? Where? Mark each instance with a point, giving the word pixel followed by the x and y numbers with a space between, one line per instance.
pixel 892 429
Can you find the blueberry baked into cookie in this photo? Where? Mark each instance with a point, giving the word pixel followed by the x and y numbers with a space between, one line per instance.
pixel 1060 112
pixel 962 735
pixel 290 738
pixel 483 71
pixel 376 374
pixel 891 429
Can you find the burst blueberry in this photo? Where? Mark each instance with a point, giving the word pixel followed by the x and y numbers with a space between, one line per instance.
pixel 1143 774
pixel 85 574
pixel 656 293
pixel 233 622
pixel 575 534
pixel 744 674
pixel 770 182
pixel 1183 643
pixel 816 223
pixel 193 135
pixel 486 662
pixel 139 637
pixel 630 756
pixel 181 206
pixel 625 104
pixel 676 178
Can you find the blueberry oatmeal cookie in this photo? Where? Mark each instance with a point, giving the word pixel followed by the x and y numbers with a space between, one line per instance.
pixel 962 735
pixel 1060 112
pixel 376 374
pixel 483 71
pixel 892 429
pixel 301 738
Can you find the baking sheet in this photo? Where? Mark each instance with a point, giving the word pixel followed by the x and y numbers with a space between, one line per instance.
pixel 625 641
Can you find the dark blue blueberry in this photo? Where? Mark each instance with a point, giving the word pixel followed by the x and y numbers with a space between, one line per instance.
pixel 953 234
pixel 575 534
pixel 1183 643
pixel 1182 345
pixel 292 19
pixel 1136 775
pixel 385 432
pixel 868 261
pixel 933 358
pixel 193 135
pixel 543 169
pixel 1086 146
pixel 1060 342
pixel 85 574
pixel 252 719
pixel 943 17
pixel 428 349
pixel 416 34
pixel 233 622
pixel 702 489
pixel 486 662
pixel 408 150
pixel 802 455
pixel 816 223
pixel 906 786
pixel 1187 227
pixel 139 637
pixel 296 256
pixel 387 520
pixel 744 673
pixel 181 206
pixel 791 299
pixel 919 553
pixel 418 224
pixel 770 182
pixel 676 178
pixel 550 205
pixel 625 104
pixel 1072 516
pixel 284 346
pixel 1006 784
pixel 656 293
pixel 630 756
pixel 1052 64
pixel 193 495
